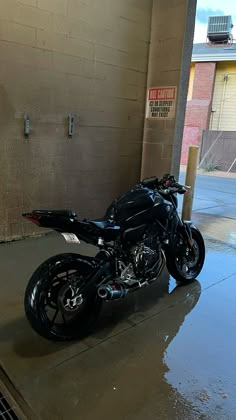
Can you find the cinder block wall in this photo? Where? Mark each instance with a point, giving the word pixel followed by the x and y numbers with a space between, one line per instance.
pixel 88 57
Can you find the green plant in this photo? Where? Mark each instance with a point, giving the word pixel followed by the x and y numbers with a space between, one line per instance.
pixel 210 165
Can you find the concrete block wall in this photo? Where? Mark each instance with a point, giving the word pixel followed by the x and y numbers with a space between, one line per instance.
pixel 198 109
pixel 60 56
pixel 169 60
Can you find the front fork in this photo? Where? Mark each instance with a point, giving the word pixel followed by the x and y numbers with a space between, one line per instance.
pixel 183 228
pixel 186 227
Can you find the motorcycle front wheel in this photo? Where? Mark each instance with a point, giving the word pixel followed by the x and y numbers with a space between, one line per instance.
pixel 184 263
pixel 54 309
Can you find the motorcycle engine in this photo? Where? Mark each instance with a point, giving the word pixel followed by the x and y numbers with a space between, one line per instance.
pixel 144 259
pixel 144 256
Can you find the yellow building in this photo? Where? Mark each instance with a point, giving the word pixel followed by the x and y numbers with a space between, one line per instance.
pixel 211 105
pixel 224 97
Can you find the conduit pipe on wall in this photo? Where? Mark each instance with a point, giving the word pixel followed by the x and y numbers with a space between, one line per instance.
pixel 226 77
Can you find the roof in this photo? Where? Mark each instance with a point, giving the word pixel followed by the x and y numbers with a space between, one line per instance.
pixel 206 52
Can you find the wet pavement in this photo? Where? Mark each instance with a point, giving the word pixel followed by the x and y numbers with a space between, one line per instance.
pixel 165 352
pixel 216 228
pixel 213 195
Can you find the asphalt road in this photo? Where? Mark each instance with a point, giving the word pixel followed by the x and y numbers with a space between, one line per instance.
pixel 214 195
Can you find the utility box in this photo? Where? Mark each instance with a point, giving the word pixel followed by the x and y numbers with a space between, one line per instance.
pixel 219 29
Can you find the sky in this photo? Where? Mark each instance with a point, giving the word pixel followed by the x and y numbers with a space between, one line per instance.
pixel 207 8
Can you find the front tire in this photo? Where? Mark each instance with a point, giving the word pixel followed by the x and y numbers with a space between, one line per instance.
pixel 182 263
pixel 52 309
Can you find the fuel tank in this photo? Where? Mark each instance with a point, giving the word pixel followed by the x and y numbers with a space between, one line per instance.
pixel 138 206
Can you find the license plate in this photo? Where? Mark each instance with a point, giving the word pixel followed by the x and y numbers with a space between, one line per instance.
pixel 71 238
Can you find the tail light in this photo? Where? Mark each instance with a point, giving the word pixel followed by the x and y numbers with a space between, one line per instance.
pixel 34 218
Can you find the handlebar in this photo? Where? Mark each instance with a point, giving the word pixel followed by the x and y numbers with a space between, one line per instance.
pixel 150 182
pixel 166 185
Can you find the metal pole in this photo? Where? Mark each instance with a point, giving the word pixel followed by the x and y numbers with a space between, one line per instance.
pixel 190 181
pixel 231 166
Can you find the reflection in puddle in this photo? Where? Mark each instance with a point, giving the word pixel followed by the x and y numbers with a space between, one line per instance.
pixel 201 358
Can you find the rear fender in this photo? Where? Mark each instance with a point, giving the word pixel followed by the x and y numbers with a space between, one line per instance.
pixel 60 221
pixel 97 272
pixel 67 258
pixel 64 221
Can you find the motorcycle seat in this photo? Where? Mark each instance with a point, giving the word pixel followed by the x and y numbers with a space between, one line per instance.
pixel 55 213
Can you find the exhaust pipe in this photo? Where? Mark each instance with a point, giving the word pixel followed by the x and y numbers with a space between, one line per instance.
pixel 112 291
pixel 116 290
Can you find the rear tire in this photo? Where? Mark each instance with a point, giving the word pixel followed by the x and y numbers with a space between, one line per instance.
pixel 48 290
pixel 185 268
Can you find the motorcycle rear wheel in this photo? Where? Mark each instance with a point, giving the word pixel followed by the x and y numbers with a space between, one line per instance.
pixel 182 263
pixel 52 309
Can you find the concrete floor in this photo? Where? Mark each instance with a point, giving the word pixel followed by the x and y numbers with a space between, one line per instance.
pixel 163 353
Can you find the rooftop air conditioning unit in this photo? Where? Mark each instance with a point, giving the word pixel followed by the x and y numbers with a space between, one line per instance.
pixel 219 28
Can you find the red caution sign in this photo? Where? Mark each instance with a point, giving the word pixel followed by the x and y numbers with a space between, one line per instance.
pixel 161 103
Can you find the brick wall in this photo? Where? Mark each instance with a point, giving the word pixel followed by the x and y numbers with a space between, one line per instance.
pixel 61 56
pixel 199 107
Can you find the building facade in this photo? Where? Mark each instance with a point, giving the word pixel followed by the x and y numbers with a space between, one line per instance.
pixel 94 59
pixel 211 100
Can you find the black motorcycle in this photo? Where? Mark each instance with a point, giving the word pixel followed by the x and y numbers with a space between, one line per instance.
pixel 139 235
